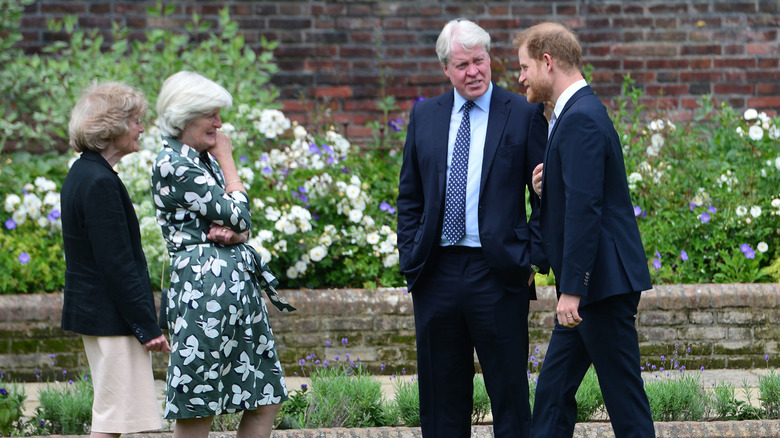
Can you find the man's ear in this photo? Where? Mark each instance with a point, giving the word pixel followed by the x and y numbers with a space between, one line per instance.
pixel 548 62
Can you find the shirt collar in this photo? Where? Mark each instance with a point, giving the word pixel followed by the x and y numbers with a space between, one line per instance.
pixel 483 102
pixel 567 94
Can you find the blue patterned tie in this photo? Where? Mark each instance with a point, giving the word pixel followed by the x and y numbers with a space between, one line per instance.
pixel 455 201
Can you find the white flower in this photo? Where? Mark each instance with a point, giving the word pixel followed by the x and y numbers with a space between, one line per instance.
pixel 355 215
pixel 372 238
pixel 300 266
pixel 774 133
pixel 741 211
pixel 777 163
pixel 740 131
pixel 750 114
pixel 33 205
pixel 756 133
pixel 318 253
pixel 762 247
pixel 776 203
pixel 299 132
pixel 326 240
pixel 292 272
pixel 755 211
pixel 272 214
pixel 390 261
pixel 353 192
pixel 11 201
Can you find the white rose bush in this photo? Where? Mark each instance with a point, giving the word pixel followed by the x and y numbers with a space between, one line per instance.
pixel 707 195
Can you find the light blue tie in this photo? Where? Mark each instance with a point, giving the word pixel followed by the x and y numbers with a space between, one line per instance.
pixel 553 119
pixel 455 200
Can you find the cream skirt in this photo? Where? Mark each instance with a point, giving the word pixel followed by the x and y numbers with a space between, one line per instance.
pixel 125 398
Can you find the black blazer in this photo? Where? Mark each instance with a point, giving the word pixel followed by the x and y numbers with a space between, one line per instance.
pixel 107 287
pixel 514 145
pixel 590 233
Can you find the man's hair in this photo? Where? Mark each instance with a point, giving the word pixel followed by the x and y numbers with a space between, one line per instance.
pixel 554 39
pixel 467 33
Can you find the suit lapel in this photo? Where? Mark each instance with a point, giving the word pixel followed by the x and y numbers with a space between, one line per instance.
pixel 441 123
pixel 584 91
pixel 497 118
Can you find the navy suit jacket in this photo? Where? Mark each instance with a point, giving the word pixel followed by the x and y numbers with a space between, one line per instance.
pixel 107 286
pixel 590 233
pixel 514 145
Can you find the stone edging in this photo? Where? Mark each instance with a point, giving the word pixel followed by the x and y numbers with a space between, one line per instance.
pixel 677 429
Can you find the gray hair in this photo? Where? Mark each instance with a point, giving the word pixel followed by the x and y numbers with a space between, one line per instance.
pixel 184 97
pixel 102 115
pixel 467 33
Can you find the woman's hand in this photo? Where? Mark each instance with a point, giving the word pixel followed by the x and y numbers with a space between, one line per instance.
pixel 223 149
pixel 158 344
pixel 226 236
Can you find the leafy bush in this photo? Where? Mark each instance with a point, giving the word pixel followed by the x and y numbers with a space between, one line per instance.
pixel 769 388
pixel 677 399
pixel 726 406
pixel 65 408
pixel 12 397
pixel 706 191
pixel 589 398
pixel 406 403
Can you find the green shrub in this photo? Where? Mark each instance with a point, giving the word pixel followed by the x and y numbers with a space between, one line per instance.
pixel 589 398
pixel 725 405
pixel 677 399
pixel 769 388
pixel 481 402
pixel 407 402
pixel 12 397
pixel 65 408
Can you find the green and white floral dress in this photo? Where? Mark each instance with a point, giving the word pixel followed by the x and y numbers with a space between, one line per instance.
pixel 223 356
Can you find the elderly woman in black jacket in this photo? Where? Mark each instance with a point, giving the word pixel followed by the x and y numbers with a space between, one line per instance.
pixel 108 294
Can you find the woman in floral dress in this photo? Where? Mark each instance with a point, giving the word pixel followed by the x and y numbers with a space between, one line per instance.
pixel 223 356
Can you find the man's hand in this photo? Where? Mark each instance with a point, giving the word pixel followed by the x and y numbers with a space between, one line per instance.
pixel 568 310
pixel 537 179
pixel 158 344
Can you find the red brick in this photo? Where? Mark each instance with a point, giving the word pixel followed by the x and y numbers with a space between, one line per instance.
pixel 342 92
pixel 733 89
pixel 763 49
pixel 764 102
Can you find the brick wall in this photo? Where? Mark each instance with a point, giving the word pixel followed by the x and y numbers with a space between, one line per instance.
pixel 331 51
pixel 725 326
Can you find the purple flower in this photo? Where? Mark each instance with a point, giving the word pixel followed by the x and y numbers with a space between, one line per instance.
pixel 330 160
pixel 344 341
pixel 267 170
pixel 302 362
pixel 637 211
pixel 684 255
pixel 395 124
pixel 657 263
pixel 304 386
pixel 3 391
pixel 10 224
pixel 382 366
pixel 313 148
pixel 691 206
pixel 744 247
pixel 747 250
pixel 657 254
pixel 712 210
pixel 24 258
pixel 327 343
pixel 54 215
pixel 327 149
pixel 419 99
pixel 242 159
pixel 750 254
pixel 704 217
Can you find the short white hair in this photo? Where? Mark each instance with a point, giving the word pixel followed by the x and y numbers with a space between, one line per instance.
pixel 184 97
pixel 467 33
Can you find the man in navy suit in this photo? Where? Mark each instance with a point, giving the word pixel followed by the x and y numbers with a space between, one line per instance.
pixel 591 240
pixel 465 244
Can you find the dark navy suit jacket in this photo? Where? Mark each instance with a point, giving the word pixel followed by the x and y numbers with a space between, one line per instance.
pixel 514 145
pixel 591 237
pixel 107 286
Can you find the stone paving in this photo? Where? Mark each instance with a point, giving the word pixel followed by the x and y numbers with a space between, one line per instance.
pixel 735 429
